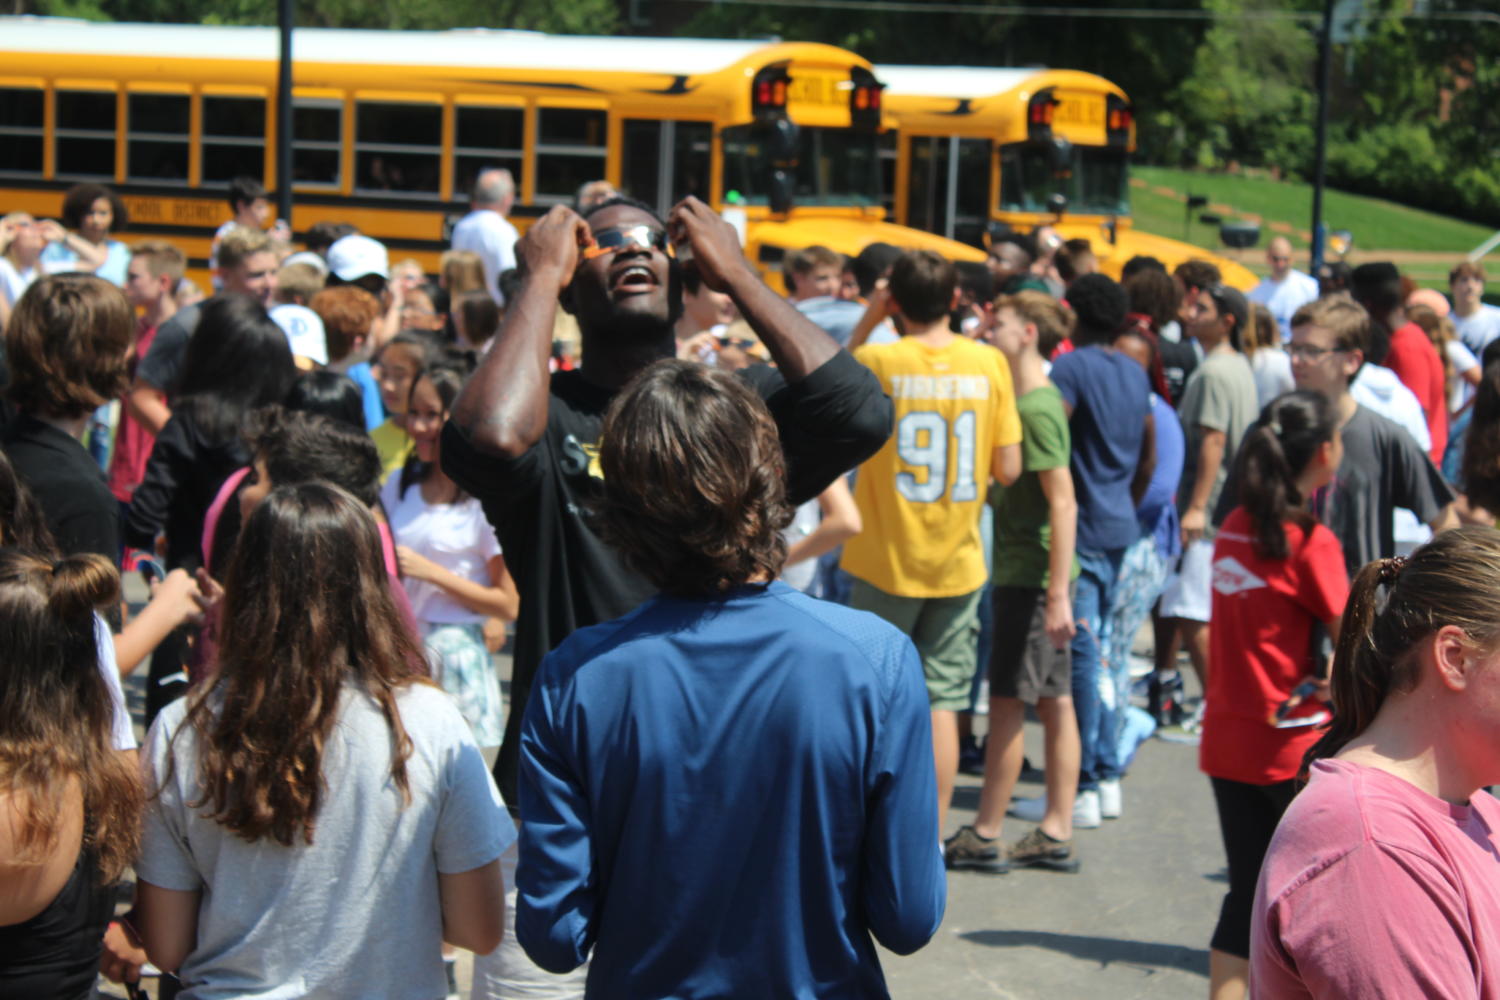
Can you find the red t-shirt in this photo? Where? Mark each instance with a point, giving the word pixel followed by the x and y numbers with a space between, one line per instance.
pixel 1374 888
pixel 1259 647
pixel 1416 363
pixel 133 443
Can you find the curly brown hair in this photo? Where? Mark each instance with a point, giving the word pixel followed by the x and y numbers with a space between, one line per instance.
pixel 56 712
pixel 67 344
pixel 294 633
pixel 694 491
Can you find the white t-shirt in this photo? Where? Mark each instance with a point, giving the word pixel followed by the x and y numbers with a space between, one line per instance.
pixel 1283 298
pixel 493 238
pixel 356 913
pixel 122 734
pixel 1273 373
pixel 1463 360
pixel 1479 328
pixel 804 522
pixel 456 536
pixel 14 281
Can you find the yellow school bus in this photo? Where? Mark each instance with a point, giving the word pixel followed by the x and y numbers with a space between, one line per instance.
pixel 978 146
pixel 390 128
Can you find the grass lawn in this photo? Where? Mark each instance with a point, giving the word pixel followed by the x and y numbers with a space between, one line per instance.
pixel 1376 224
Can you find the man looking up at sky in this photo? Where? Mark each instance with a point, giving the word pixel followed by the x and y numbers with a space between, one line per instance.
pixel 526 442
pixel 1285 289
pixel 918 563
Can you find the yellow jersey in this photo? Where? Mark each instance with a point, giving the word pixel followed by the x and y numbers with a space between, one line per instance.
pixel 921 495
pixel 393 445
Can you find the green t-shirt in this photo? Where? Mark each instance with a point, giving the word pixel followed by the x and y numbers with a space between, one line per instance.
pixel 1023 527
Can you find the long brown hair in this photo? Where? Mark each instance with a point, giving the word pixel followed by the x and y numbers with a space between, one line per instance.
pixel 1276 449
pixel 694 480
pixel 56 712
pixel 1452 580
pixel 307 611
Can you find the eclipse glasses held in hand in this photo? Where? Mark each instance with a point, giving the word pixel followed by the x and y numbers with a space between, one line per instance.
pixel 628 237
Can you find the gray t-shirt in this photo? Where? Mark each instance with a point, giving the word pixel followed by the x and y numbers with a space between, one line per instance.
pixel 1220 396
pixel 163 361
pixel 1383 468
pixel 356 913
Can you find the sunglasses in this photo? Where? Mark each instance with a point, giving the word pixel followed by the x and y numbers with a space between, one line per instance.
pixel 625 238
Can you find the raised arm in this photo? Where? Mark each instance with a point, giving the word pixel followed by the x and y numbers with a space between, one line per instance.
pixel 503 408
pixel 797 344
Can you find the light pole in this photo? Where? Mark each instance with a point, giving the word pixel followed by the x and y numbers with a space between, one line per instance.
pixel 1320 146
pixel 284 15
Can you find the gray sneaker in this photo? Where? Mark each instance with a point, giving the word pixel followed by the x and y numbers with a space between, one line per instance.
pixel 968 851
pixel 1037 850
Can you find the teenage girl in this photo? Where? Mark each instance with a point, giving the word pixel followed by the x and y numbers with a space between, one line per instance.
pixel 450 560
pixel 69 805
pixel 334 792
pixel 1382 880
pixel 396 366
pixel 1277 573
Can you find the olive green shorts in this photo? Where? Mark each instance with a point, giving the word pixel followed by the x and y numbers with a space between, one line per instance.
pixel 945 631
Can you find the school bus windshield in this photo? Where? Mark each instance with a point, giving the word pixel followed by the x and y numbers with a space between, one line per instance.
pixel 1096 182
pixel 835 166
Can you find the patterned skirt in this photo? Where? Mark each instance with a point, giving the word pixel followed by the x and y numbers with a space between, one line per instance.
pixel 463 666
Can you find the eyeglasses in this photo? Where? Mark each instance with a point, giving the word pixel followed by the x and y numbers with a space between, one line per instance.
pixel 1312 352
pixel 627 237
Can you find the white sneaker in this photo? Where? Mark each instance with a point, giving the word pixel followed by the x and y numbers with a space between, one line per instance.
pixel 1086 814
pixel 1110 801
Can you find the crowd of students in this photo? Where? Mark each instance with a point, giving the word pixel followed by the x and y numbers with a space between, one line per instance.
pixel 345 482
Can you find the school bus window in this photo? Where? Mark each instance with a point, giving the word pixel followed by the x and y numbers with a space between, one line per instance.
pixel 570 151
pixel 665 161
pixel 1094 179
pixel 157 137
pixel 21 130
pixel 316 128
pixel 85 133
pixel 398 148
pixel 692 152
pixel 887 145
pixel 234 137
pixel 486 137
pixel 834 166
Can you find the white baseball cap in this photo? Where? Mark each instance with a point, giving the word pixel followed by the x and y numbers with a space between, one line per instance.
pixel 355 256
pixel 304 331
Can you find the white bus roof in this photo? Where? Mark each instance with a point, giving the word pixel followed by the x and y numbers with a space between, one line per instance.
pixel 952 81
pixel 470 47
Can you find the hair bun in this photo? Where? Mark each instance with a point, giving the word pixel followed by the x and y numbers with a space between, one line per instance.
pixel 1390 569
pixel 82 583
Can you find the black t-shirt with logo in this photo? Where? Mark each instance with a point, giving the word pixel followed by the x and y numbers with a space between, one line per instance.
pixel 568 578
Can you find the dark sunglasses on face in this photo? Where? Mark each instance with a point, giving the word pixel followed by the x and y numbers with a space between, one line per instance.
pixel 627 237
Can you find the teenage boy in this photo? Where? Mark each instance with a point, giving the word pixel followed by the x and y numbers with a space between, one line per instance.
pixel 151 287
pixel 1036 521
pixel 247 265
pixel 249 207
pixel 1114 452
pixel 1218 406
pixel 795 804
pixel 919 563
pixel 1382 468
pixel 1476 322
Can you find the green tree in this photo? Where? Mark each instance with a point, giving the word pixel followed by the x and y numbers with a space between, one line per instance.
pixel 573 17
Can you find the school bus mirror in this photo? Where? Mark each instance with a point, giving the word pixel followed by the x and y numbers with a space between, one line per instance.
pixel 779 192
pixel 1209 219
pixel 782 144
pixel 1062 156
pixel 1239 235
pixel 1196 201
pixel 1057 204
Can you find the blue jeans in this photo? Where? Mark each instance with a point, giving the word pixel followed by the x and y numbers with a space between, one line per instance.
pixel 1143 571
pixel 1093 597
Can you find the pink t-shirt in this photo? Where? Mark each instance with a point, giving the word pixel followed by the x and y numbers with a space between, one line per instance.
pixel 1373 888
